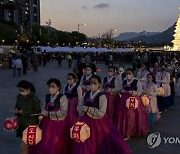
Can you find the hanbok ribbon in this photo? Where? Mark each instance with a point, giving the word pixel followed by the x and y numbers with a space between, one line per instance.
pixel 86 82
pixel 89 100
pixel 51 104
pixel 69 92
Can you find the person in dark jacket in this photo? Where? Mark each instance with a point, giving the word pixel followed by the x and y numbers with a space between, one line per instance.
pixel 27 103
pixel 35 62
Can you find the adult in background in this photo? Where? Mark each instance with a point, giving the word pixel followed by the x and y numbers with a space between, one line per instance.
pixel 111 59
pixel 35 62
pixel 59 59
pixel 18 64
pixel 69 59
pixel 40 58
pixel 14 65
pixel 87 59
pixel 44 58
pixel 24 63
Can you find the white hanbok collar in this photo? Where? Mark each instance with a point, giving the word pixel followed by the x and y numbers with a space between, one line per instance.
pixel 110 79
pixel 71 87
pixel 92 96
pixel 129 82
pixel 88 77
pixel 54 98
pixel 120 73
pixel 163 74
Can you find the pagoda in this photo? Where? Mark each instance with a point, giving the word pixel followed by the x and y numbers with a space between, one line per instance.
pixel 176 41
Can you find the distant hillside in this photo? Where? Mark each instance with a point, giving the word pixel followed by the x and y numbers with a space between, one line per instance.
pixel 162 38
pixel 131 35
pixel 50 28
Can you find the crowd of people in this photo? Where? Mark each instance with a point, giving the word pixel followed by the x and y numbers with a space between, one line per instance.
pixel 126 103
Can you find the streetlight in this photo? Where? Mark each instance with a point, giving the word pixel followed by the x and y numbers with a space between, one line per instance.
pixel 49 25
pixel 79 29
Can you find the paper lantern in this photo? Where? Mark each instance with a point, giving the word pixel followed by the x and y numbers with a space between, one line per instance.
pixel 8 125
pixel 11 124
pixel 32 135
pixel 99 69
pixel 160 91
pixel 132 103
pixel 14 122
pixel 145 100
pixel 80 132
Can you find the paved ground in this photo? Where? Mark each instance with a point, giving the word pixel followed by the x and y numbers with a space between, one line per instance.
pixel 168 125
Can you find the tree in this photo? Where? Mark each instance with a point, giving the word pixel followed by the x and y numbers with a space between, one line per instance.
pixel 75 35
pixel 107 37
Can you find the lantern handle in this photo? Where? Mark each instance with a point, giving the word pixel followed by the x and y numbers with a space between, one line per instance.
pixel 38 114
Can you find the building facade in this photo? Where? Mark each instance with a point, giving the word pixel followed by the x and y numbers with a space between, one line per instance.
pixel 18 11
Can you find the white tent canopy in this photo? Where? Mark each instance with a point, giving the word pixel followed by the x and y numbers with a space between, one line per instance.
pixel 46 48
pixel 91 49
pixel 78 49
pixel 123 50
pixel 62 49
pixel 81 49
pixel 103 50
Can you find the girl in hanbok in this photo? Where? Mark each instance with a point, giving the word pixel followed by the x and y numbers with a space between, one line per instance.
pixel 116 71
pixel 151 91
pixel 131 117
pixel 163 80
pixel 120 77
pixel 55 132
pixel 74 93
pixel 110 92
pixel 142 75
pixel 86 79
pixel 121 72
pixel 105 138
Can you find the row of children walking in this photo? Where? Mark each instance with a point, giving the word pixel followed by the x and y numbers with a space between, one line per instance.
pixel 112 108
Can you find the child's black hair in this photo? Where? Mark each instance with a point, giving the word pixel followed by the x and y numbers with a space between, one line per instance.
pixel 111 67
pixel 97 77
pixel 130 69
pixel 115 68
pixel 26 85
pixel 54 80
pixel 32 88
pixel 154 80
pixel 121 66
pixel 88 66
pixel 73 76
